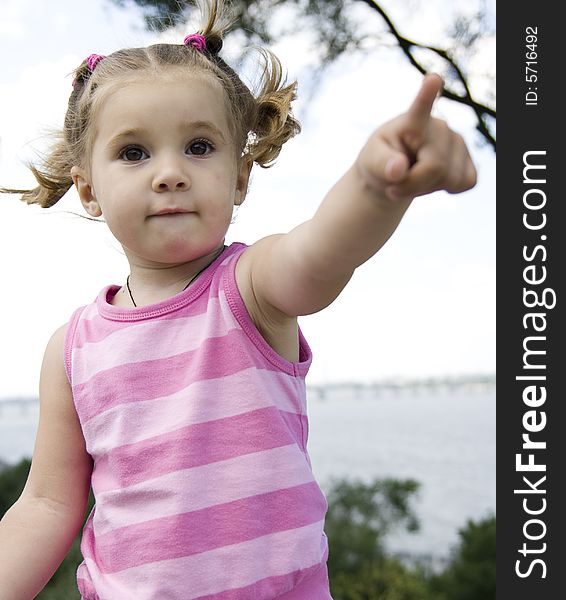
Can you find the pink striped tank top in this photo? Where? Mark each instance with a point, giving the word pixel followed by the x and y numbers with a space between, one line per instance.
pixel 202 482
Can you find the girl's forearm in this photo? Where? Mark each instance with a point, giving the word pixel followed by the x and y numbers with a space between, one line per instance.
pixel 352 223
pixel 412 155
pixel 34 539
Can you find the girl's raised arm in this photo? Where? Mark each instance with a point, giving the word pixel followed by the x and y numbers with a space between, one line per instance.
pixel 38 530
pixel 303 271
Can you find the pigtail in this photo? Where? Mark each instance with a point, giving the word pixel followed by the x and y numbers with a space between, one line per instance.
pixel 215 20
pixel 275 123
pixel 54 175
pixel 266 116
pixel 53 178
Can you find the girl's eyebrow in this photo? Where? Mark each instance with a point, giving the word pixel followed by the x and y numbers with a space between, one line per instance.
pixel 188 125
pixel 123 135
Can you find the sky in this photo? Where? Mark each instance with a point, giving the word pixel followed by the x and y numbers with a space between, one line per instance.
pixel 423 306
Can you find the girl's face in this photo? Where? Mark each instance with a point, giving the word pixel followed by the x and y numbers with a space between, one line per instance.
pixel 164 172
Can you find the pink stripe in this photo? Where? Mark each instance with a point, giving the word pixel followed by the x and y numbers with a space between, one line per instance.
pixel 232 567
pixel 308 584
pixel 202 487
pixel 194 446
pixel 136 421
pixel 206 529
pixel 170 337
pixel 147 380
pixel 94 328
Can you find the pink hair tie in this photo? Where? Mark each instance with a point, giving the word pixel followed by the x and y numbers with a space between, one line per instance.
pixel 197 40
pixel 93 60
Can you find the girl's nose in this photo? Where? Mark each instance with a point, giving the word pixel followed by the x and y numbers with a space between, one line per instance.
pixel 170 176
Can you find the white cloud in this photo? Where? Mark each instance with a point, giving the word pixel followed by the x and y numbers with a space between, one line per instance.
pixel 13 23
pixel 12 28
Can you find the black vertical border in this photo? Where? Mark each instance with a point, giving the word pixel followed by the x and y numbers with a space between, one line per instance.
pixel 524 128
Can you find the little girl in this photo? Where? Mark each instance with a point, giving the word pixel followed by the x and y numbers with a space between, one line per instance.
pixel 179 397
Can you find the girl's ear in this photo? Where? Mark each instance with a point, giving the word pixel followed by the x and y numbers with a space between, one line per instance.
pixel 86 192
pixel 246 164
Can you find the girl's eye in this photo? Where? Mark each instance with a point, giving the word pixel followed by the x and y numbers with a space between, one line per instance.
pixel 132 154
pixel 200 147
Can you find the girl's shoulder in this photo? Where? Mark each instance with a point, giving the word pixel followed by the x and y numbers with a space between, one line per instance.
pixel 54 357
pixel 279 330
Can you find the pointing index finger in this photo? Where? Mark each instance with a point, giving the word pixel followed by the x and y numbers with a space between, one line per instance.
pixel 420 110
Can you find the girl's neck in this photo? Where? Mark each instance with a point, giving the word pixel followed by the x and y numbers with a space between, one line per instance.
pixel 149 285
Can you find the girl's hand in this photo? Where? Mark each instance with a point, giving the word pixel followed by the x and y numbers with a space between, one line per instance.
pixel 415 154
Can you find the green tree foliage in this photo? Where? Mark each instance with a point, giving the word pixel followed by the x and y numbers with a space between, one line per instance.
pixel 359 518
pixel 12 480
pixel 471 572
pixel 388 579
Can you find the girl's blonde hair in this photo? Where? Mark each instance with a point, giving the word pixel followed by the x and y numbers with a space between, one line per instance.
pixel 261 124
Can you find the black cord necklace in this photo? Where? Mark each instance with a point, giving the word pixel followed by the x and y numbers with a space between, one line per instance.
pixel 190 280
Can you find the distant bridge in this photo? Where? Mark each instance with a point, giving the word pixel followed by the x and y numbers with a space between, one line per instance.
pixel 380 389
pixel 417 387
